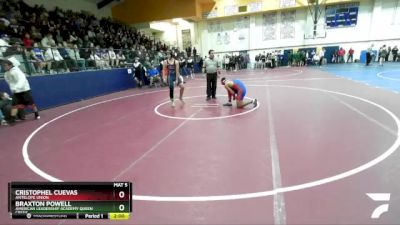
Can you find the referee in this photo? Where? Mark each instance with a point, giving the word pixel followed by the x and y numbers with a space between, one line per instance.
pixel 212 67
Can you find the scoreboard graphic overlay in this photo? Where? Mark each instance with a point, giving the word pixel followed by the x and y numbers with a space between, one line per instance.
pixel 70 200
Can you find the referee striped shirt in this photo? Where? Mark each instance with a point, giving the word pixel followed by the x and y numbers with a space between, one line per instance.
pixel 211 65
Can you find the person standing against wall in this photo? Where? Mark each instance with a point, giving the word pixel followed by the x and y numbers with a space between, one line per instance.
pixel 395 50
pixel 383 52
pixel 389 50
pixel 263 58
pixel 257 60
pixel 321 56
pixel 369 55
pixel 212 68
pixel 341 54
pixel 195 54
pixel 190 66
pixel 189 51
pixel 350 56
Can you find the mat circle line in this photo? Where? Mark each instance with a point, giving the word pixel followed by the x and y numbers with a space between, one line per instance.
pixel 157 112
pixel 388 78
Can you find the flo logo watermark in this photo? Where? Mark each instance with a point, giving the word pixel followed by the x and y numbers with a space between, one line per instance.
pixel 380 197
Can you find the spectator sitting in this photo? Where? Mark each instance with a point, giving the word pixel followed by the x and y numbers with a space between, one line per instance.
pixel 59 38
pixel 62 50
pixel 113 57
pixel 54 59
pixel 106 58
pixel 154 76
pixel 73 38
pixel 147 63
pixel 85 53
pixel 47 41
pixel 36 35
pixel 76 56
pixel 70 57
pixel 16 52
pixel 38 57
pixel 4 40
pixel 151 72
pixel 121 60
pixel 33 65
pixel 91 34
pixel 95 55
pixel 19 18
pixel 28 42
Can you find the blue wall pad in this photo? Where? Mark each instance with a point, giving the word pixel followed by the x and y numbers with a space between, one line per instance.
pixel 54 90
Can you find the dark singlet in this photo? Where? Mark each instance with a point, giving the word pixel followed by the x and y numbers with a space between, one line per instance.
pixel 171 69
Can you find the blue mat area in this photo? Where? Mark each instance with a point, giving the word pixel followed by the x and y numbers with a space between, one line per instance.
pixel 386 76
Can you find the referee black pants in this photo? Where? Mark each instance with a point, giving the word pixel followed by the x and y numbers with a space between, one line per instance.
pixel 211 84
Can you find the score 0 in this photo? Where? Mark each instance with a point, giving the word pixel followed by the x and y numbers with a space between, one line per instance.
pixel 121 191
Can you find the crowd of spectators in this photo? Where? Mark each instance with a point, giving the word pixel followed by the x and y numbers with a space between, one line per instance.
pixel 59 40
